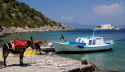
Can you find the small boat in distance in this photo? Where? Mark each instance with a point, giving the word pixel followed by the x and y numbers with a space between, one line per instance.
pixel 86 44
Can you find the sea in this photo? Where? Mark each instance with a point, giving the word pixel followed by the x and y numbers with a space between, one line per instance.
pixel 109 60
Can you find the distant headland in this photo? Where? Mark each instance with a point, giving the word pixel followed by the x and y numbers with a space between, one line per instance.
pixel 107 27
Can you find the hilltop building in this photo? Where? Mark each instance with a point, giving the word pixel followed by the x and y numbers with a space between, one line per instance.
pixel 107 27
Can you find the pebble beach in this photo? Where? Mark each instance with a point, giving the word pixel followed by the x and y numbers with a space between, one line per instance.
pixel 43 63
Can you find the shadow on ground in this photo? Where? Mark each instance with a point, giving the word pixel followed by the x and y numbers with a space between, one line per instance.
pixel 24 65
pixel 1 64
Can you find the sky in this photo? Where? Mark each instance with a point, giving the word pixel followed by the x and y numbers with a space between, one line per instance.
pixel 82 13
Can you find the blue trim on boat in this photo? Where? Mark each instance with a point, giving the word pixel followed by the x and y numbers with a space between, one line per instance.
pixel 81 45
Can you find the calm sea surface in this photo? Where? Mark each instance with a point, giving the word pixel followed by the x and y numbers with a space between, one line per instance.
pixel 111 60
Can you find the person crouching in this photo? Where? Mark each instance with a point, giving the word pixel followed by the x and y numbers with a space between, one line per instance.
pixel 38 49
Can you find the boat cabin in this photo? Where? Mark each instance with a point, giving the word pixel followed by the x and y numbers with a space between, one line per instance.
pixel 91 40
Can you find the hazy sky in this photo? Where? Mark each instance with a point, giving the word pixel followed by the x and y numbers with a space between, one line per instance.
pixel 82 12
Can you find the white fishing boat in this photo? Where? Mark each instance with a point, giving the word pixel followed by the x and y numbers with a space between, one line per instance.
pixel 84 44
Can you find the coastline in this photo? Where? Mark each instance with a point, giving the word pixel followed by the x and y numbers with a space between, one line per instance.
pixel 46 63
pixel 10 30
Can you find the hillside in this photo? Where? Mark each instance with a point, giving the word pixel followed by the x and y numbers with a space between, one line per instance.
pixel 17 14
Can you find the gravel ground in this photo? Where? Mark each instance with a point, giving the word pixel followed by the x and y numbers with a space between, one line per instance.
pixel 40 63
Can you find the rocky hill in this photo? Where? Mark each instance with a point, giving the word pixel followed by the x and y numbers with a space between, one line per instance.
pixel 17 15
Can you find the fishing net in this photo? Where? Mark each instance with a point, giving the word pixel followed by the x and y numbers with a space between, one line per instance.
pixel 1 54
pixel 30 52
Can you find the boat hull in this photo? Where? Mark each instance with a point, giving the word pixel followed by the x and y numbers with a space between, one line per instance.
pixel 68 48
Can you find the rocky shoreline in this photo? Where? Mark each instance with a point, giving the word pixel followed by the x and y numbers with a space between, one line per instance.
pixel 4 31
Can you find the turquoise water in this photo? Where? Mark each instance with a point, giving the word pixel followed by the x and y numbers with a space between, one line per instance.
pixel 111 60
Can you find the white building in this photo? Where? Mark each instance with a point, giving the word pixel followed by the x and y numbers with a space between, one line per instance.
pixel 105 26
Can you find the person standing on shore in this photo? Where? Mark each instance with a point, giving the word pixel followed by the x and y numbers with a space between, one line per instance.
pixel 37 45
pixel 44 43
pixel 62 38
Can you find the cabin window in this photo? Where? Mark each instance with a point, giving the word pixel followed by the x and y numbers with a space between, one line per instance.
pixel 82 41
pixel 79 40
pixel 94 42
pixel 90 42
pixel 98 38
